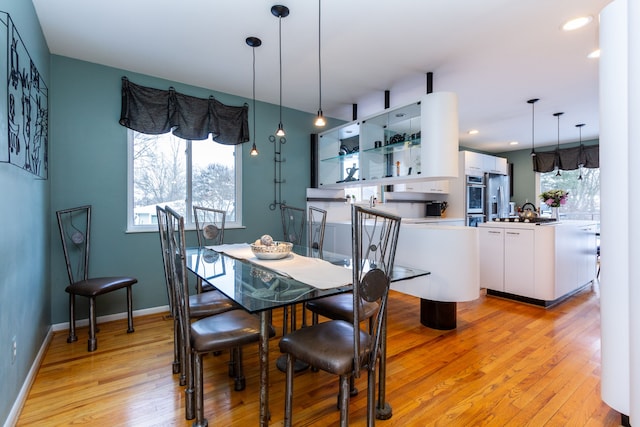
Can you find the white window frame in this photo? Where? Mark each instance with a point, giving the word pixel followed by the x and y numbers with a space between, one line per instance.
pixel 189 221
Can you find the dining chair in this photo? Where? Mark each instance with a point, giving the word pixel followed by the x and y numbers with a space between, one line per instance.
pixel 317 221
pixel 210 231
pixel 343 348
pixel 75 232
pixel 293 228
pixel 200 304
pixel 224 331
pixel 338 306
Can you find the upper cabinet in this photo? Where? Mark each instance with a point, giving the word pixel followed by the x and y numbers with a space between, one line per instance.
pixel 477 164
pixel 405 144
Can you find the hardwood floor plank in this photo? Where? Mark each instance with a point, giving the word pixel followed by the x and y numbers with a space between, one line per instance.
pixel 506 364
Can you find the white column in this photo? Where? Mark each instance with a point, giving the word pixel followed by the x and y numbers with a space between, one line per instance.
pixel 634 205
pixel 615 206
pixel 439 135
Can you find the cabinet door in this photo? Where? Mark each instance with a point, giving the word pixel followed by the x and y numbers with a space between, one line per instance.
pixel 519 262
pixel 501 166
pixel 338 156
pixel 587 250
pixel 473 163
pixel 441 187
pixel 493 164
pixel 492 258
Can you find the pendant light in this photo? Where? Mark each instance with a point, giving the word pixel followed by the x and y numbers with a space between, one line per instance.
pixel 320 121
pixel 280 11
pixel 558 146
pixel 533 117
pixel 581 164
pixel 254 42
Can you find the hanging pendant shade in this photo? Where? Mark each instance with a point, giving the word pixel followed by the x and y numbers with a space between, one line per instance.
pixel 254 42
pixel 280 11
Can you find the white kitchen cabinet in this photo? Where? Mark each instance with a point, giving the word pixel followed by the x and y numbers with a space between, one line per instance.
pixel 492 258
pixel 477 164
pixel 439 187
pixel 588 256
pixel 416 142
pixel 519 262
pixel 473 163
pixel 494 164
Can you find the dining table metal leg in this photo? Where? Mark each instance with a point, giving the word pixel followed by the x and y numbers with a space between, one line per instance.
pixel 264 368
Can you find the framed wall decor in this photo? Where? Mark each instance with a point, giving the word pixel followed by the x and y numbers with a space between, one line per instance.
pixel 24 123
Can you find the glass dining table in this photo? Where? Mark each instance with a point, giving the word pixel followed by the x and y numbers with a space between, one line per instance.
pixel 258 290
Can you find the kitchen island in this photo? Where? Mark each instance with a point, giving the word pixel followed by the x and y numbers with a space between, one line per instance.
pixel 540 264
pixel 450 253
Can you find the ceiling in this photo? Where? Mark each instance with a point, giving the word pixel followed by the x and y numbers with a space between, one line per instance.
pixel 495 54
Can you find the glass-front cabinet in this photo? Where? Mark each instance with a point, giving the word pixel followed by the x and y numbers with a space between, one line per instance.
pixel 383 149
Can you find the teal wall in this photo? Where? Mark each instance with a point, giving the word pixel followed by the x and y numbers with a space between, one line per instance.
pixel 524 182
pixel 89 166
pixel 25 312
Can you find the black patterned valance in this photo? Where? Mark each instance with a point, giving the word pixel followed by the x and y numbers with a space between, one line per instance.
pixel 567 158
pixel 155 111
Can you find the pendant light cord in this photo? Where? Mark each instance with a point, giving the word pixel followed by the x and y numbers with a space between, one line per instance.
pixel 280 60
pixel 533 119
pixel 319 59
pixel 254 95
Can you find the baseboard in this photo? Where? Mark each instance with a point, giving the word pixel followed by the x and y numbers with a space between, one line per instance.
pixel 109 317
pixel 12 419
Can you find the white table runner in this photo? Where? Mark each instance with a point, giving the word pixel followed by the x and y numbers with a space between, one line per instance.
pixel 316 272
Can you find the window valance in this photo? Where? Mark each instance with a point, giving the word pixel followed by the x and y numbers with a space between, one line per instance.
pixel 155 111
pixel 567 158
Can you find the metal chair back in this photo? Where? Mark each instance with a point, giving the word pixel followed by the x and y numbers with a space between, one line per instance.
pixel 293 223
pixel 317 220
pixel 210 225
pixel 75 231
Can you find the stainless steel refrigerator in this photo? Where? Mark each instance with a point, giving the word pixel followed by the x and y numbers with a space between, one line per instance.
pixel 497 196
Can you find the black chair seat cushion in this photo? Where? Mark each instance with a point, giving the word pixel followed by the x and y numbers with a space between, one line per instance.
pixel 327 346
pixel 99 285
pixel 340 307
pixel 225 330
pixel 209 303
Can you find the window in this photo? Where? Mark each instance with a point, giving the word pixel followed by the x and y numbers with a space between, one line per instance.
pixel 584 194
pixel 167 170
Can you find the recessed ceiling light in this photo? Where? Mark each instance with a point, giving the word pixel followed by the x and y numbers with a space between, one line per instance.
pixel 513 143
pixel 473 132
pixel 576 23
pixel 594 54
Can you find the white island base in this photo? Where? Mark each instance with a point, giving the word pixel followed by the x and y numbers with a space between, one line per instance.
pixel 448 253
pixel 537 264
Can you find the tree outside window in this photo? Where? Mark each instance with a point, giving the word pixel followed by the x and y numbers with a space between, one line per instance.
pixel 584 194
pixel 167 170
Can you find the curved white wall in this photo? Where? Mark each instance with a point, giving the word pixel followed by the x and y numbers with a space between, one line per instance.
pixel 618 166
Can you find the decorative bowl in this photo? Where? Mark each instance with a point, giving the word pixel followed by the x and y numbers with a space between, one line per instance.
pixel 277 250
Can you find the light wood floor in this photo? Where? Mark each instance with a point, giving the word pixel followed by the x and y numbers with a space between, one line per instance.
pixel 506 364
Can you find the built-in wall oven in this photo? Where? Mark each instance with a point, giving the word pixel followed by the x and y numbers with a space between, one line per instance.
pixel 475 194
pixel 474 220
